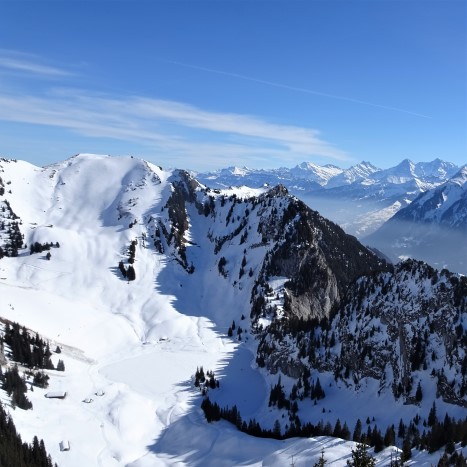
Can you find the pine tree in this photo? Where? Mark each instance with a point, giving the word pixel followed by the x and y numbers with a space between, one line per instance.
pixel 377 440
pixel 40 379
pixel 345 433
pixel 122 269
pixel 16 453
pixel 337 429
pixel 432 417
pixel 401 429
pixel 395 460
pixel 277 430
pixel 321 461
pixel 390 436
pixel 406 449
pixel 130 273
pixel 317 391
pixel 360 457
pixel 357 432
pixel 47 360
pixel 419 393
pixel 444 461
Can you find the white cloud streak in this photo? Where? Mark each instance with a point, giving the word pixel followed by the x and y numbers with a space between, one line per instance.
pixel 171 128
pixel 296 88
pixel 28 64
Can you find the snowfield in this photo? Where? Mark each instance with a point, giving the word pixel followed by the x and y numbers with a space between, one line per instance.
pixel 131 349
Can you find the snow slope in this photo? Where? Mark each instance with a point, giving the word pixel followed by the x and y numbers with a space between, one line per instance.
pixel 133 347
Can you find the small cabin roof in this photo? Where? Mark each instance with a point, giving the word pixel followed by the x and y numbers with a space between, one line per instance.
pixel 56 394
pixel 64 445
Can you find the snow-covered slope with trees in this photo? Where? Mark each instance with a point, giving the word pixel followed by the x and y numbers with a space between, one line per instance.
pixel 138 276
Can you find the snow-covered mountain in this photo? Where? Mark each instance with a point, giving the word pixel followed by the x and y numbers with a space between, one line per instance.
pixel 313 172
pixel 141 275
pixel 360 199
pixel 432 228
pixel 354 174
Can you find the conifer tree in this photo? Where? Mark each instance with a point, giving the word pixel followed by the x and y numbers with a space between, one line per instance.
pixel 122 269
pixel 345 432
pixel 406 449
pixel 357 432
pixel 432 417
pixel 321 461
pixel 390 436
pixel 337 429
pixel 277 430
pixel 360 457
pixel 130 273
pixel 419 393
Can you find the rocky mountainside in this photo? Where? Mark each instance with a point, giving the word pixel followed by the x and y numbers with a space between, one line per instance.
pixel 148 268
pixel 372 195
pixel 432 228
pixel 401 328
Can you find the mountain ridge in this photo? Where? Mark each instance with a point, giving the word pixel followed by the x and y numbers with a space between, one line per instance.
pixel 379 193
pixel 204 260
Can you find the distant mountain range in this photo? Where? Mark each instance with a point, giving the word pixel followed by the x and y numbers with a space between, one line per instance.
pixel 432 228
pixel 410 210
pixel 360 199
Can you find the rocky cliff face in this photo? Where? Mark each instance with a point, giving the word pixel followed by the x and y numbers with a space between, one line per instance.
pixel 319 261
pixel 402 328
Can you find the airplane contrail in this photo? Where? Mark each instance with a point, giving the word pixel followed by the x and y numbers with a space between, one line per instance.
pixel 294 88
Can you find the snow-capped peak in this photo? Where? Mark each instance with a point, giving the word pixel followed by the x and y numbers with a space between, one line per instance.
pixel 460 177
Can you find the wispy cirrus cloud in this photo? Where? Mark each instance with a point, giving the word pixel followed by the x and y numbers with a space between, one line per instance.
pixel 20 62
pixel 174 129
pixel 296 88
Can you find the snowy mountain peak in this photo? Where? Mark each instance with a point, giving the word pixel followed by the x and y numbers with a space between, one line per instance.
pixel 315 173
pixel 405 166
pixel 380 193
pixel 460 177
pixel 436 171
pixel 402 173
pixel 354 174
pixel 365 165
pixel 239 170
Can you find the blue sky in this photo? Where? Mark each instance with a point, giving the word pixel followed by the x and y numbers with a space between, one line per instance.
pixel 209 84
